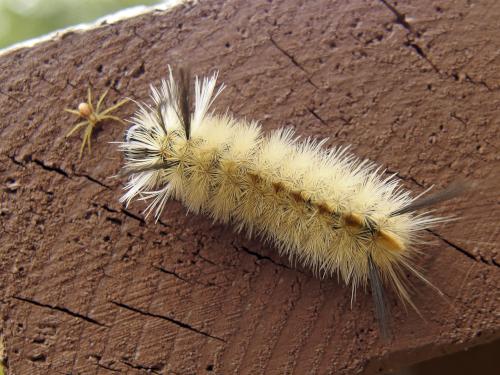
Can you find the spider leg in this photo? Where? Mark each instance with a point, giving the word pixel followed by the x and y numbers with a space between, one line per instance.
pixel 76 127
pixel 89 99
pixel 82 147
pixel 117 105
pixel 73 111
pixel 89 137
pixel 86 139
pixel 99 102
pixel 110 117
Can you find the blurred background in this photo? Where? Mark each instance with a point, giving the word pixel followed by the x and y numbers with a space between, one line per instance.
pixel 26 19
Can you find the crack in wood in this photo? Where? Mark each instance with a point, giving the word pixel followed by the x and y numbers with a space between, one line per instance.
pixel 151 369
pixel 405 178
pixel 15 161
pixel 168 319
pixel 260 256
pixel 133 216
pixel 313 112
pixel 177 276
pixel 107 368
pixel 60 309
pixel 51 168
pixel 172 273
pixel 400 17
pixel 293 61
pixel 122 211
pixel 401 20
pixel 419 51
pixel 465 252
pixel 93 179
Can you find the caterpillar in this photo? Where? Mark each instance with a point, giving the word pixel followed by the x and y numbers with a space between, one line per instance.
pixel 326 208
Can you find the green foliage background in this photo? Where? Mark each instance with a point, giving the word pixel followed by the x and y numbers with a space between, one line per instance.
pixel 26 19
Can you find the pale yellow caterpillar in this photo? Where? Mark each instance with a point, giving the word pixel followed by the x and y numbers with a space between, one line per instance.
pixel 326 208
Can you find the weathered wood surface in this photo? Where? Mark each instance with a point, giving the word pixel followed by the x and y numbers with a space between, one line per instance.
pixel 88 287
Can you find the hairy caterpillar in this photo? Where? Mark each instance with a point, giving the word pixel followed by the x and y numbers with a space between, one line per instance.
pixel 326 208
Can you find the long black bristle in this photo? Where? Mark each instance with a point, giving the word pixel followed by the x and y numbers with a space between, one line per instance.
pixel 183 99
pixel 454 189
pixel 379 300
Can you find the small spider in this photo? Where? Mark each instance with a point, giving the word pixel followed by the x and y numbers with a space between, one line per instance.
pixel 92 117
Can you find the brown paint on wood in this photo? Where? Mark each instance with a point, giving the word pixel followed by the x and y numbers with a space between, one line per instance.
pixel 88 286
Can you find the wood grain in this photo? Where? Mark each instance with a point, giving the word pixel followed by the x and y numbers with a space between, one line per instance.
pixel 90 287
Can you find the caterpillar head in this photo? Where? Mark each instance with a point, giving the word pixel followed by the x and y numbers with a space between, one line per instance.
pixel 147 141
